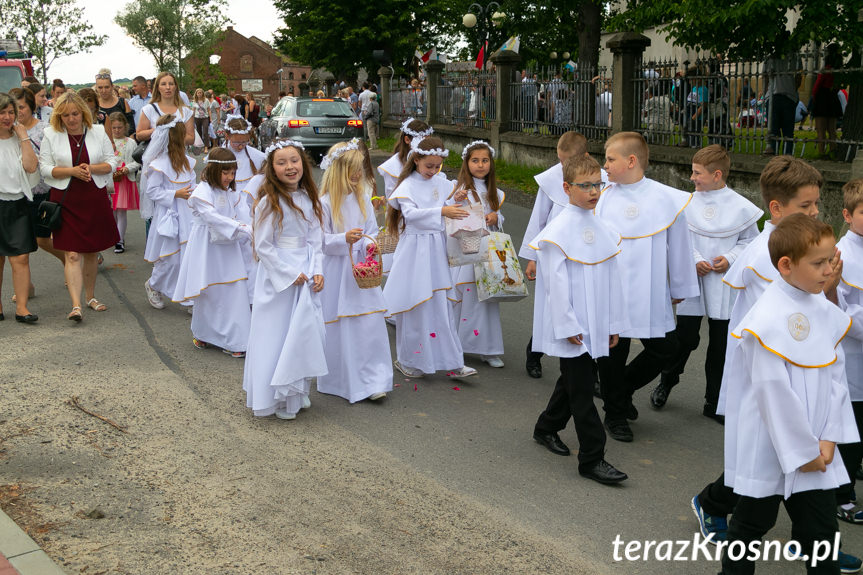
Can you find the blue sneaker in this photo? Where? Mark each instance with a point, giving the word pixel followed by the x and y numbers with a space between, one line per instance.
pixel 710 523
pixel 849 563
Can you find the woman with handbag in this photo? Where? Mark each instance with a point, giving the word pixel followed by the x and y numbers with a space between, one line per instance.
pixel 77 160
pixel 17 239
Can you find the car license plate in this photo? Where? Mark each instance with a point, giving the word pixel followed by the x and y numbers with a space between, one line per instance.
pixel 328 130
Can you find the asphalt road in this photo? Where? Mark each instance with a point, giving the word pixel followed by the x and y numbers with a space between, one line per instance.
pixel 473 442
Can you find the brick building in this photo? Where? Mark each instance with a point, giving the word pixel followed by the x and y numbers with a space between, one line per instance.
pixel 253 66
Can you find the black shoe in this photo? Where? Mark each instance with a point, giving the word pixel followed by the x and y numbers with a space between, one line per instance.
pixel 2 317
pixel 533 369
pixel 552 442
pixel 603 472
pixel 710 411
pixel 29 318
pixel 631 413
pixel 119 248
pixel 659 395
pixel 619 430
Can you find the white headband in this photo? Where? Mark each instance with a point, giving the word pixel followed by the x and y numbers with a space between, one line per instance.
pixel 354 144
pixel 231 130
pixel 415 149
pixel 282 144
pixel 209 160
pixel 474 144
pixel 427 132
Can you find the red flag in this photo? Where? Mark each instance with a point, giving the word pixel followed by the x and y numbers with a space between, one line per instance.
pixel 431 54
pixel 480 58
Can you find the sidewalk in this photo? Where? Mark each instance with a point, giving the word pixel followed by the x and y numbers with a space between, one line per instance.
pixel 20 555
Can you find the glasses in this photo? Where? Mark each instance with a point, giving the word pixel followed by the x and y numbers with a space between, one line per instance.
pixel 103 76
pixel 586 187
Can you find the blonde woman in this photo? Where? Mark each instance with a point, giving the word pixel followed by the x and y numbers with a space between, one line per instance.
pixel 201 109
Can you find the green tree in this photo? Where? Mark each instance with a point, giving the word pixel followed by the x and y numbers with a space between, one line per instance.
pixel 48 30
pixel 170 30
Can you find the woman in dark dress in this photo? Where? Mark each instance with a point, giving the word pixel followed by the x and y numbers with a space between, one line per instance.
pixel 109 102
pixel 77 160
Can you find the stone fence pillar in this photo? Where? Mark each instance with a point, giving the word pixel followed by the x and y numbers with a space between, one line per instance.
pixel 434 69
pixel 627 49
pixel 505 63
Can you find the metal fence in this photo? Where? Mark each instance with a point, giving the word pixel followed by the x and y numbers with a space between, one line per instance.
pixel 555 100
pixel 406 100
pixel 467 98
pixel 713 101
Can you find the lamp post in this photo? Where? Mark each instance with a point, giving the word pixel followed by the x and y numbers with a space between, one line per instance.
pixel 490 13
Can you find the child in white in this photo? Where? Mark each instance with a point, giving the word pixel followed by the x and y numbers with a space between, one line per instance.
pixel 426 340
pixel 249 160
pixel 213 272
pixel 245 209
pixel 478 323
pixel 357 343
pixel 721 224
pixel 286 347
pixel 171 177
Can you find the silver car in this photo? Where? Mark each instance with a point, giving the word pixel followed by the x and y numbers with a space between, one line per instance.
pixel 317 123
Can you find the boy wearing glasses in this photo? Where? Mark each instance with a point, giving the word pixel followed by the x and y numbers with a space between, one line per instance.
pixel 656 267
pixel 582 312
pixel 721 224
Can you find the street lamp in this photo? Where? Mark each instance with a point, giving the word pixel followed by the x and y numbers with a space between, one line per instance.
pixel 565 55
pixel 215 59
pixel 491 13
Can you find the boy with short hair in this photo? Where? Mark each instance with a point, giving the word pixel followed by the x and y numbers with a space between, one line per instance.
pixel 581 314
pixel 656 266
pixel 550 200
pixel 786 401
pixel 721 224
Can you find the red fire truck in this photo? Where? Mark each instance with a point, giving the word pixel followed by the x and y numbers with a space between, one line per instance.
pixel 14 65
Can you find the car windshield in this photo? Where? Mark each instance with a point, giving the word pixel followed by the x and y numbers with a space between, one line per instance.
pixel 281 108
pixel 326 108
pixel 10 77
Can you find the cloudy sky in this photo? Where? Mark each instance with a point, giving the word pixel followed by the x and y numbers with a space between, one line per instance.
pixel 125 60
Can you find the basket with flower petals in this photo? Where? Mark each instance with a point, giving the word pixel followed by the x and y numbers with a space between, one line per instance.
pixel 369 272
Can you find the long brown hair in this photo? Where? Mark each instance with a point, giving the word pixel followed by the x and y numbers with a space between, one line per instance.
pixel 403 148
pixel 273 189
pixel 224 161
pixel 465 178
pixel 157 95
pixel 176 143
pixel 368 169
pixel 395 219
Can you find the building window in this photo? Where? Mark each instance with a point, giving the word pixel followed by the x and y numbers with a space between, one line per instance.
pixel 290 75
pixel 304 76
pixel 246 63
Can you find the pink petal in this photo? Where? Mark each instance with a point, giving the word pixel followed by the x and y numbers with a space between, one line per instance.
pixel 415 387
pixel 468 289
pixel 433 334
pixel 397 384
pixel 464 319
pixel 476 332
pixel 457 389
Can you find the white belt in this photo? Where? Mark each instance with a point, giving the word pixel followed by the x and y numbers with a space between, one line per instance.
pixel 291 243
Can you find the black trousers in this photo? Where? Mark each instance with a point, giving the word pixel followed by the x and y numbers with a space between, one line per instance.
pixel 717 498
pixel 533 357
pixel 813 518
pixel 573 397
pixel 783 110
pixel 619 380
pixel 852 455
pixel 688 337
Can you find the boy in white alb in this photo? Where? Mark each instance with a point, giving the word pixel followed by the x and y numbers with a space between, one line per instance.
pixel 583 311
pixel 721 224
pixel 786 400
pixel 656 264
pixel 550 201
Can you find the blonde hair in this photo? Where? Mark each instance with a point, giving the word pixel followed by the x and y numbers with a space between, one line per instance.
pixel 852 195
pixel 713 157
pixel 336 182
pixel 66 100
pixel 157 95
pixel 782 178
pixel 631 144
pixel 572 144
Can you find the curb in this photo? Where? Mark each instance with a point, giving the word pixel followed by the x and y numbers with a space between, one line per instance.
pixel 22 553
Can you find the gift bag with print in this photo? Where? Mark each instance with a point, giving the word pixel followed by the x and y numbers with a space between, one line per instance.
pixel 499 276
pixel 463 237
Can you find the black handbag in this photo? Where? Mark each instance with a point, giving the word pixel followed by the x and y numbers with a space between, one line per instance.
pixel 138 152
pixel 49 212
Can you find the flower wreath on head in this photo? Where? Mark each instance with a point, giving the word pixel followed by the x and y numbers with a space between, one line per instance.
pixel 475 144
pixel 209 160
pixel 230 130
pixel 353 144
pixel 413 133
pixel 415 149
pixel 283 144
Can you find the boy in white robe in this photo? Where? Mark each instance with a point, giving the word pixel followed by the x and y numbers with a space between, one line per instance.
pixel 721 224
pixel 550 201
pixel 656 264
pixel 579 281
pixel 787 403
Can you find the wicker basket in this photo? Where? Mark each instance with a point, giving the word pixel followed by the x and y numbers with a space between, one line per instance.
pixel 367 282
pixel 387 242
pixel 469 244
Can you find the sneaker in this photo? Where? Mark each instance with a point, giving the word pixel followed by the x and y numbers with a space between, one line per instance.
pixel 849 563
pixel 852 515
pixel 659 395
pixel 709 523
pixel 307 403
pixel 377 396
pixel 154 297
pixel 235 354
pixel 619 430
pixel 283 414
pixel 407 371
pixel 493 360
pixel 119 248
pixel 463 371
pixel 200 344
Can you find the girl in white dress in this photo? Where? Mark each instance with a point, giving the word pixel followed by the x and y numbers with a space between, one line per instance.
pixel 357 342
pixel 238 133
pixel 478 323
pixel 415 293
pixel 286 347
pixel 213 272
pixel 170 179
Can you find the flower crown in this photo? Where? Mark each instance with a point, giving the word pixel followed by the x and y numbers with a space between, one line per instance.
pixel 475 144
pixel 283 144
pixel 231 130
pixel 353 144
pixel 209 160
pixel 413 133
pixel 415 149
